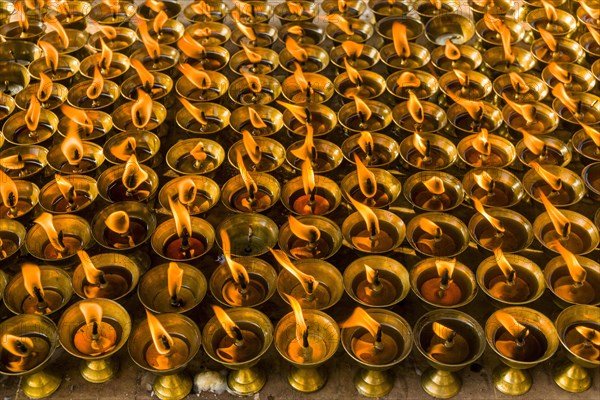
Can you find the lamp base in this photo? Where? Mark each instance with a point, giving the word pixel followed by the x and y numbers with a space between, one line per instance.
pixel 307 380
pixel 172 387
pixel 511 381
pixel 572 377
pixel 440 384
pixel 39 385
pixel 99 371
pixel 371 383
pixel 246 381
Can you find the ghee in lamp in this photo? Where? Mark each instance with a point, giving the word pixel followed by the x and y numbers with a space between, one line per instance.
pixel 95 337
pixel 311 203
pixel 186 246
pixel 369 192
pixel 584 340
pixel 432 239
pixel 40 300
pixel 551 186
pixel 306 347
pixel 434 195
pixel 59 244
pixel 442 290
pixel 71 199
pixel 237 345
pixel 13 205
pixel 253 198
pixel 573 287
pixel 123 231
pixel 373 237
pixel 498 233
pixel 166 351
pixel 447 346
pixel 491 192
pixel 507 286
pixel 371 344
pixel 309 242
pixel 517 341
pixel 133 185
pixel 377 288
pixel 22 353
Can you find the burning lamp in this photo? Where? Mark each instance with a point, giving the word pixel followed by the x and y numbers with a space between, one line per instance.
pixel 12 238
pixel 302 119
pixel 18 198
pixel 383 285
pixel 74 156
pixel 307 88
pixel 484 150
pixel 427 151
pixel 68 194
pixel 50 95
pixel 493 187
pixel 449 340
pixel 341 29
pixel 250 192
pixel 301 11
pixel 128 182
pixel 437 234
pixel 358 55
pixel 427 9
pixel 19 51
pixel 23 28
pixel 401 83
pixel 118 39
pixel 302 32
pixel 562 187
pixel 372 186
pixel 310 194
pixel 156 84
pixel 33 126
pixel 309 57
pixel 205 11
pixel 258 119
pixel 374 149
pixel 195 156
pixel 94 330
pixel 510 279
pixel 575 108
pixel 433 191
pixel 198 193
pixel 419 117
pixel 545 150
pixel 251 234
pixel 172 288
pixel 38 290
pixel 195 85
pixel 402 53
pixel 258 35
pixel 23 162
pixel 257 60
pixel 327 155
pixel 253 89
pixel 144 144
pixel 28 344
pixel 14 76
pixel 164 344
pixel 574 77
pixel 377 340
pixel 310 237
pixel 578 332
pixel 209 33
pixel 112 12
pixel 365 115
pixel 488 31
pixel 306 339
pixel 522 338
pixel 520 87
pixel 586 142
pixel 149 9
pixel 470 117
pixel 238 338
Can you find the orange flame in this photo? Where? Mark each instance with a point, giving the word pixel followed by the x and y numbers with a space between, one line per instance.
pixel 32 280
pixel 308 150
pixel 505 35
pixel 368 216
pixel 145 76
pixel 227 323
pixel 8 191
pixel 253 82
pixel 21 16
pixel 95 89
pixel 295 8
pixel 415 109
pixel 593 133
pixel 527 111
pixel 560 93
pixel 174 279
pixel 51 54
pixel 20 346
pixel 107 31
pixel 246 30
pixel 201 8
pixel 72 147
pixel 420 144
pixel 549 39
pixel 45 220
pixel 550 11
pixel 445 267
pixel 352 49
pixel 106 56
pixel 551 179
pixel 592 12
pixel 65 188
pixel 78 116
pixel 481 144
pixel 353 73
pixel 371 275
pixel 594 32
pixel 365 142
pixel 442 331
pixel 400 39
pixel 577 272
pixel 435 185
pixel 152 46
pixel 430 227
pixel 141 110
pixel 451 51
pixel 159 21
pixel 133 175
pixel 463 77
pixel 474 108
pixel 493 23
pixel 561 224
pixel 366 178
pixel 303 84
pixel 32 116
pixel 495 222
pixel 484 180
pixel 252 56
pixel 154 5
pixel 181 216
pixel 533 144
pixel 92 274
pixel 190 47
pixel 252 148
pixel 45 88
pixel 60 30
pixel 194 111
pixel 118 222
pixel 514 328
pixel 505 267
pixel 112 4
pixel 238 272
pixel 408 79
pixel 342 5
pixel 560 73
pixel 362 108
pixel 309 233
pixel 295 50
pixel 340 22
pixel 301 327
pixel 299 112
pixel 296 30
pixel 589 334
pixel 186 191
pixel 251 186
pixel 308 177
pixel 163 342
pixel 437 4
pixel 255 119
pixel 518 83
pixel 198 152
pixel 361 318
pixel 308 282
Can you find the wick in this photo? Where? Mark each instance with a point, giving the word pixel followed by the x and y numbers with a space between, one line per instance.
pixel 102 279
pixel 248 248
pixel 243 283
pixel 511 277
pixel 14 56
pixel 239 338
pixel 6 86
pixel 312 199
pixel 305 338
pixel 95 331
pixel 492 188
pixel 12 204
pixel 373 234
pixel 22 348
pixel 39 297
pixel 378 336
pixel 147 88
pixel 175 301
pixel 427 155
pixel 185 243
pixel 520 338
pixel 60 239
pixel 566 230
pixel 449 342
pixel 306 110
pixel 165 343
pixel 376 285
pixel 444 281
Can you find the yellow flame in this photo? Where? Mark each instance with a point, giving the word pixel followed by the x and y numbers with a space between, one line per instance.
pixel 308 282
pixel 65 188
pixel 408 79
pixel 366 178
pixel 32 279
pixel 253 82
pixel 561 224
pixel 226 322
pixel 250 184
pixel 145 76
pixel 415 109
pixel 451 51
pixel 255 119
pixel 442 331
pixel 78 116
pixel 503 263
pixel 92 274
pixel 152 46
pixel 550 11
pixel 362 108
pixel 159 21
pixel 527 111
pixel 368 216
pixel 163 342
pixel 435 185
pixel 430 227
pixel 495 222
pixel 133 175
pixel 174 279
pixel 118 222
pixel 551 179
pixel 514 328
pixel 252 148
pixel 60 30
pixel 361 318
pixel 481 143
pixel 309 233
pixel 352 49
pixel 340 22
pixel 301 326
pixel 106 56
pixel 593 133
pixel 198 78
pixel 484 180
pixel 560 92
pixel 400 40
pixel 296 50
pixel 45 220
pixel 8 191
pixel 238 271
pixel 518 83
pixel 181 216
pixel 560 73
pixel 141 110
pixel 549 39
pixel 252 56
pixel 32 116
pixel 577 272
